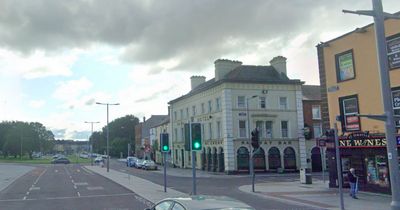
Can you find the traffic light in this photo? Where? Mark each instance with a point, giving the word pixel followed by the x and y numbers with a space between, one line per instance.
pixel 164 142
pixel 255 140
pixel 196 139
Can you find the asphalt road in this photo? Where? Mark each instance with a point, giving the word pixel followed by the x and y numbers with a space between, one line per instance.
pixel 227 186
pixel 67 186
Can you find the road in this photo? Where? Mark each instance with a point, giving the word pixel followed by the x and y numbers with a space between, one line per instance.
pixel 223 185
pixel 67 186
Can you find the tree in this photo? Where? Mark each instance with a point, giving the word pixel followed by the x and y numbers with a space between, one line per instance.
pixel 119 145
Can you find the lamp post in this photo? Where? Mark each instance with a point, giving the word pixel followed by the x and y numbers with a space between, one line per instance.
pixel 108 146
pixel 91 145
pixel 248 128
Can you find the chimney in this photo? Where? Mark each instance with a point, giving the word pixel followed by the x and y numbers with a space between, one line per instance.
pixel 196 81
pixel 223 67
pixel 144 119
pixel 279 63
pixel 169 110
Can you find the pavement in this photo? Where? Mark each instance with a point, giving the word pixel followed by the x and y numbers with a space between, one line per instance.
pixel 316 195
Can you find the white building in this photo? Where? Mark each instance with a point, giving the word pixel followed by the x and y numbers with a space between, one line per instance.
pixel 220 104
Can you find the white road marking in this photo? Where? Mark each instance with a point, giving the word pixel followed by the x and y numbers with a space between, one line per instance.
pixel 75 186
pixel 35 188
pixel 27 193
pixel 56 171
pixel 95 188
pixel 24 197
pixel 78 170
pixel 81 183
pixel 79 194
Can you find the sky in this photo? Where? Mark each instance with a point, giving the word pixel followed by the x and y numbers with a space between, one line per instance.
pixel 58 58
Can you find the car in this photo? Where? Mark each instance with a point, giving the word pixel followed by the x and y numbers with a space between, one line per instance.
pixel 149 165
pixel 60 160
pixel 200 203
pixel 98 160
pixel 131 161
pixel 139 163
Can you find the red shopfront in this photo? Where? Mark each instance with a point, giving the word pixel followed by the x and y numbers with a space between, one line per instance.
pixel 367 154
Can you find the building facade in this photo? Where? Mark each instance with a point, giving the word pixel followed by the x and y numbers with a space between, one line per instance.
pixel 350 85
pixel 313 127
pixel 239 99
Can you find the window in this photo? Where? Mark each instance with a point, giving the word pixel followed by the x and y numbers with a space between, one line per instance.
pixel 204 131
pixel 181 113
pixel 348 110
pixel 194 110
pixel 178 206
pixel 283 103
pixel 317 130
pixel 202 108
pixel 260 128
pixel 285 129
pixel 210 130
pixel 182 134
pixel 163 205
pixel 217 101
pixel 316 112
pixel 209 106
pixel 242 129
pixel 176 134
pixel 345 69
pixel 268 130
pixel 263 102
pixel 241 103
pixel 187 112
pixel 219 130
pixel 175 116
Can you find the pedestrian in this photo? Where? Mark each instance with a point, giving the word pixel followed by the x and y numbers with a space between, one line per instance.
pixel 352 181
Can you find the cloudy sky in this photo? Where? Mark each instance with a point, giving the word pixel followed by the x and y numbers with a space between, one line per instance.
pixel 58 58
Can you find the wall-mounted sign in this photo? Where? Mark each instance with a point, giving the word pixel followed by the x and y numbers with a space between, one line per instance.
pixel 393 47
pixel 333 88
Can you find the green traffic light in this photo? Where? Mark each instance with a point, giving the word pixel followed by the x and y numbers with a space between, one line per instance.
pixel 197 145
pixel 165 148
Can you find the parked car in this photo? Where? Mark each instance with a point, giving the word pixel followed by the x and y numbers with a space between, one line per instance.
pixel 139 163
pixel 60 160
pixel 131 161
pixel 201 203
pixel 149 165
pixel 98 160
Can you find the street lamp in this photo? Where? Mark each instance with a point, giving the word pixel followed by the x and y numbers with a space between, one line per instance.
pixel 91 145
pixel 108 146
pixel 248 128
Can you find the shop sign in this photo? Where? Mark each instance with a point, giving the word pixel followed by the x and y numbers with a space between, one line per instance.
pixel 358 139
pixel 208 143
pixel 242 114
pixel 270 142
pixel 393 46
pixel 396 105
pixel 204 118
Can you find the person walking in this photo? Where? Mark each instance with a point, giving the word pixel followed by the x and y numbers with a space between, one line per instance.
pixel 352 181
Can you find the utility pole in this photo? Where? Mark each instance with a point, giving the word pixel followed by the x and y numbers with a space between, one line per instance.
pixel 388 114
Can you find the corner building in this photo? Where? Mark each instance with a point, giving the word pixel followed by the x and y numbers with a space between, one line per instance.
pixel 222 104
pixel 350 85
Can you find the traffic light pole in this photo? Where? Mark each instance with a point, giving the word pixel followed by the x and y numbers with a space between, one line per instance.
pixel 165 172
pixel 194 172
pixel 253 175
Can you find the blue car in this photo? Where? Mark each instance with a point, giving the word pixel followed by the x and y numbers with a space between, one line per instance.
pixel 131 161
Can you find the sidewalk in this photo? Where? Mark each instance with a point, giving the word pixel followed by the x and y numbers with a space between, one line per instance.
pixel 316 195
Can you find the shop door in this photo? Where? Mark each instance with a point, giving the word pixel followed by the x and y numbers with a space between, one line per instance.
pixel 243 159
pixel 316 161
pixel 259 160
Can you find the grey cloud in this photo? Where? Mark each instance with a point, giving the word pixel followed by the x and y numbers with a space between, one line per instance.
pixel 156 95
pixel 162 30
pixel 71 107
pixel 90 102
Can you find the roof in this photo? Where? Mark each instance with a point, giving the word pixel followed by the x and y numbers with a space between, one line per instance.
pixel 244 74
pixel 164 121
pixel 311 92
pixel 151 123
